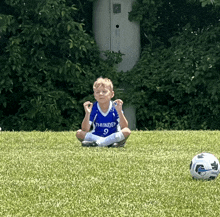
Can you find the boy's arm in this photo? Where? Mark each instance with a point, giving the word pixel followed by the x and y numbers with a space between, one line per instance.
pixel 88 109
pixel 85 124
pixel 123 120
pixel 118 105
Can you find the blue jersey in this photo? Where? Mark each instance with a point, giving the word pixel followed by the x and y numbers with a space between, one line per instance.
pixel 104 124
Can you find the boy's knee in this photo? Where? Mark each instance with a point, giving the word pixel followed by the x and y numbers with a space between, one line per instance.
pixel 80 135
pixel 126 132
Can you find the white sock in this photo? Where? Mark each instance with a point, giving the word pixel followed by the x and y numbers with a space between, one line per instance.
pixel 92 137
pixel 115 137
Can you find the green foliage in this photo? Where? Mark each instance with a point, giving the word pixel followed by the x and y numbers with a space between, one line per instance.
pixel 160 20
pixel 176 82
pixel 178 87
pixel 49 61
pixel 48 65
pixel 206 2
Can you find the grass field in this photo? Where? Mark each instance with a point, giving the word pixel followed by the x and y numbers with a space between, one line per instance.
pixel 50 174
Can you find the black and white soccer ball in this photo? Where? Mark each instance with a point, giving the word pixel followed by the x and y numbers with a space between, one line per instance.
pixel 204 166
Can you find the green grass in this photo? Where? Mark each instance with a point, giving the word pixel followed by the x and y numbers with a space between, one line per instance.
pixel 50 174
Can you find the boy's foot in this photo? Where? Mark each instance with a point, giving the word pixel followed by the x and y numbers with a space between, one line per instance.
pixel 117 144
pixel 89 144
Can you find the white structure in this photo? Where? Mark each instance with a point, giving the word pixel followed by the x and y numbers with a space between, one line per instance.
pixel 113 31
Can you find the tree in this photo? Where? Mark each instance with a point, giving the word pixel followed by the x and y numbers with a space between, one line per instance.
pixel 161 20
pixel 48 65
pixel 176 82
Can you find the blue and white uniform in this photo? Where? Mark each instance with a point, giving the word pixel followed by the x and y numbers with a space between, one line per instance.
pixel 104 124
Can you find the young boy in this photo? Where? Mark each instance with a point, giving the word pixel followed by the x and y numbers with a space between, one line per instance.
pixel 110 127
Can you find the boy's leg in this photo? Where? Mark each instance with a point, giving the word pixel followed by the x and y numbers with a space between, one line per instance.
pixel 87 139
pixel 80 135
pixel 115 137
pixel 87 136
pixel 126 133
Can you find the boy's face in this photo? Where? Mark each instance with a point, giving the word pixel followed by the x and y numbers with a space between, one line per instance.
pixel 103 94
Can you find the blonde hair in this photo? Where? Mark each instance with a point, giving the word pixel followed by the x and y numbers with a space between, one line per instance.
pixel 103 82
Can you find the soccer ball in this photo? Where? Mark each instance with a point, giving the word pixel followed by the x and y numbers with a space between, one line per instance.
pixel 204 166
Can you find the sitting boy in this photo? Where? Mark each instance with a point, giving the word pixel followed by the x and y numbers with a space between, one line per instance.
pixel 110 127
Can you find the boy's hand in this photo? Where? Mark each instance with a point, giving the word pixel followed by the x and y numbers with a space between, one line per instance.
pixel 88 107
pixel 118 104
